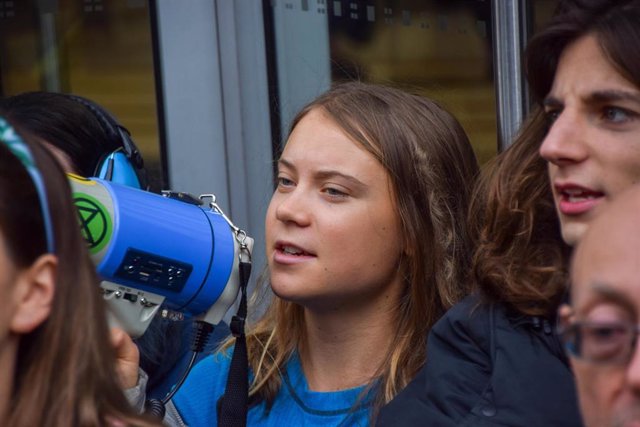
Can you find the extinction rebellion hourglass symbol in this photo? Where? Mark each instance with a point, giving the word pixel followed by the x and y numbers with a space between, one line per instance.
pixel 94 222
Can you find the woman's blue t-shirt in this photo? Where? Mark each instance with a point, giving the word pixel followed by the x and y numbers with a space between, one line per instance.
pixel 295 404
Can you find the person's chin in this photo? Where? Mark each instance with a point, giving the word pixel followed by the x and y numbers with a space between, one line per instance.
pixel 283 290
pixel 291 292
pixel 573 230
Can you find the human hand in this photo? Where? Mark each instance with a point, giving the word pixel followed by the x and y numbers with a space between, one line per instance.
pixel 127 358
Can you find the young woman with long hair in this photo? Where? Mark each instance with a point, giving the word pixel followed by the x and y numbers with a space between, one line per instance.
pixel 367 247
pixel 58 365
pixel 81 134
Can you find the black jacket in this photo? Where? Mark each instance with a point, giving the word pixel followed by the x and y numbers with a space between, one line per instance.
pixel 488 367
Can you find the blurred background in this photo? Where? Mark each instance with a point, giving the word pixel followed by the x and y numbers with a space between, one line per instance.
pixel 207 87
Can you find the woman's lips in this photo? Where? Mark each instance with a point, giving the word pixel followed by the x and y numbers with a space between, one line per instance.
pixel 577 200
pixel 287 253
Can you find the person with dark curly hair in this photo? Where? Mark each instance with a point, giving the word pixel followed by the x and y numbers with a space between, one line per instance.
pixel 495 358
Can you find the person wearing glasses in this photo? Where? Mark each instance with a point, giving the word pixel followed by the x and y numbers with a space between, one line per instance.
pixel 494 359
pixel 600 329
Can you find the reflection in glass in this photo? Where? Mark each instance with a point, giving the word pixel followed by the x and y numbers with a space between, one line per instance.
pixel 441 49
pixel 542 12
pixel 95 48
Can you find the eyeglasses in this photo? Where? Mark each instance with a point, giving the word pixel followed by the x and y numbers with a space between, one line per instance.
pixel 607 343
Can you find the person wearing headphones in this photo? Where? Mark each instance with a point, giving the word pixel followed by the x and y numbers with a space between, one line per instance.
pixel 85 138
pixel 58 366
pixel 367 247
pixel 88 141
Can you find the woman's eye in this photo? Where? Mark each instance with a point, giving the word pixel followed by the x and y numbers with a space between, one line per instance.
pixel 285 182
pixel 331 191
pixel 552 116
pixel 616 115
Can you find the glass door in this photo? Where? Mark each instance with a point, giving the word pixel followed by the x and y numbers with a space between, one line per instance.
pixel 95 48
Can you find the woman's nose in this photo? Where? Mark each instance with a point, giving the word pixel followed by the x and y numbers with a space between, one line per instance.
pixel 566 139
pixel 294 207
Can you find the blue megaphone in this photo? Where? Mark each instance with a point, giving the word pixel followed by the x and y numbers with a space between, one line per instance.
pixel 152 251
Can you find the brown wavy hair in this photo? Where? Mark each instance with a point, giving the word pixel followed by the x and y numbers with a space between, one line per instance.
pixel 431 166
pixel 65 369
pixel 520 258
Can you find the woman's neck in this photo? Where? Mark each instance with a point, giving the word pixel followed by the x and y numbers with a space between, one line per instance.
pixel 345 348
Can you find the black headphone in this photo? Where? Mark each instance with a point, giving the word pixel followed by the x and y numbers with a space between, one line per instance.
pixel 123 165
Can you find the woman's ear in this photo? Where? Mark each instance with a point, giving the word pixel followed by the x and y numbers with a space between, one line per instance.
pixel 33 294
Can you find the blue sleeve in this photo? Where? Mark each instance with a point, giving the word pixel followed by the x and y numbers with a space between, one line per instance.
pixel 196 401
pixel 164 379
pixel 456 372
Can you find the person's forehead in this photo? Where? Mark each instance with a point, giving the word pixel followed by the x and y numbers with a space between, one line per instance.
pixel 584 66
